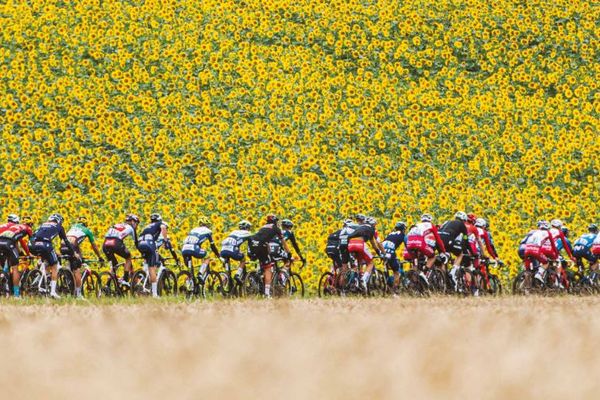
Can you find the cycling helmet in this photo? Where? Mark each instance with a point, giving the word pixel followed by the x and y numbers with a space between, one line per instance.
pixel 370 221
pixel 461 215
pixel 360 217
pixel 27 220
pixel 565 231
pixel 471 218
pixel 155 217
pixel 348 222
pixel 132 217
pixel 245 225
pixel 400 226
pixel 272 219
pixel 82 220
pixel 556 223
pixel 203 221
pixel 426 218
pixel 56 218
pixel 13 218
pixel 593 228
pixel 543 224
pixel 286 223
pixel 480 222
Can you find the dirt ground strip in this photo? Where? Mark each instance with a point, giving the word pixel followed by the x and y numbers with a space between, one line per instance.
pixel 493 348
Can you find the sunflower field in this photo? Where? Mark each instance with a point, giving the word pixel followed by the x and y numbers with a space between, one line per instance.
pixel 312 109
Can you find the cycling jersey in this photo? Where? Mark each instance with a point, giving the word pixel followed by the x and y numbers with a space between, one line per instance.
pixel 343 246
pixel 258 245
pixel 268 233
pixel 423 237
pixel 41 241
pixel 230 247
pixel 472 239
pixel 332 249
pixel 533 245
pixel 523 244
pixel 80 232
pixel 192 245
pixel 596 246
pixel 391 243
pixel 152 231
pixel 549 244
pixel 10 235
pixel 582 248
pixel 452 234
pixel 113 242
pixel 357 242
pixel 147 243
pixel 276 247
pixel 365 231
pixel 121 231
pixel 483 234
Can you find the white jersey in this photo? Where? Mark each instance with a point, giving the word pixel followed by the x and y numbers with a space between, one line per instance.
pixel 421 229
pixel 120 231
pixel 537 237
pixel 198 236
pixel 235 240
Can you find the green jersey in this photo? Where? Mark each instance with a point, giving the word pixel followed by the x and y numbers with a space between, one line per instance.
pixel 80 232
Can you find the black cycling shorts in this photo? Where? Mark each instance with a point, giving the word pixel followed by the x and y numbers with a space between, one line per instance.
pixel 74 262
pixel 114 246
pixel 45 250
pixel 259 251
pixel 9 252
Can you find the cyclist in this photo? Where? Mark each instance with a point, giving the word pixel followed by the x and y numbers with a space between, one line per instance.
pixel 390 245
pixel 114 245
pixel 349 227
pixel 289 237
pixel 258 247
pixel 357 244
pixel 533 248
pixel 12 234
pixel 192 245
pixel 230 247
pixel 582 248
pixel 488 250
pixel 423 238
pixel 550 247
pixel 453 234
pixel 41 245
pixel 148 247
pixel 332 248
pixel 76 235
pixel 559 244
pixel 596 247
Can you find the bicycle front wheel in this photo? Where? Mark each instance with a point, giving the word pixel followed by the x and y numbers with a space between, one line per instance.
pixel 90 285
pixel 167 284
pixel 296 285
pixel 65 284
pixel 213 286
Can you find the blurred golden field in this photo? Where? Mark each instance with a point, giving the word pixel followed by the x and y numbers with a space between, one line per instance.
pixel 311 109
pixel 496 348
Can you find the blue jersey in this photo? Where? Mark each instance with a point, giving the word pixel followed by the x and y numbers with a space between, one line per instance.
pixel 393 241
pixel 48 231
pixel 585 241
pixel 151 232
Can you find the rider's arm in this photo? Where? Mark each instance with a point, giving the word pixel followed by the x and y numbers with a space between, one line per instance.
pixel 23 242
pixel 213 246
pixel 66 241
pixel 283 242
pixel 295 245
pixel 488 245
pixel 438 239
pixel 90 236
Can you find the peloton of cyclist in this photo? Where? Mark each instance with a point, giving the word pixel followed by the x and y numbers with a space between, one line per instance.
pixel 258 248
pixel 230 247
pixel 76 235
pixel 582 248
pixel 423 238
pixel 41 245
pixel 192 245
pixel 390 245
pixel 12 234
pixel 357 244
pixel 114 245
pixel 148 247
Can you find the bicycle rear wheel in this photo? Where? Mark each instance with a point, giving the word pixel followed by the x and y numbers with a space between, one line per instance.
pixel 296 285
pixel 108 284
pixel 185 284
pixel 213 286
pixel 377 285
pixel 140 286
pixel 167 284
pixel 90 286
pixel 35 284
pixel 252 285
pixel 437 281
pixel 327 285
pixel 523 283
pixel 495 285
pixel 65 283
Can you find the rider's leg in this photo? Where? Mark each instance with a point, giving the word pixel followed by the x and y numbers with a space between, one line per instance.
pixel 16 280
pixel 128 269
pixel 153 280
pixel 268 279
pixel 53 277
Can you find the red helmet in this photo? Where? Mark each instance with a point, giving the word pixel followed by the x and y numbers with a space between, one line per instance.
pixel 471 218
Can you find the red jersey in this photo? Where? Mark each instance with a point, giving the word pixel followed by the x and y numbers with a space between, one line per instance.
pixel 16 232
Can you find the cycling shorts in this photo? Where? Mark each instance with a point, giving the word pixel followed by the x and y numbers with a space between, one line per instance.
pixel 115 246
pixel 549 253
pixel 585 253
pixel 358 247
pixel 45 251
pixel 236 255
pixel 417 244
pixel 535 252
pixel 335 255
pixel 193 250
pixel 259 251
pixel 74 262
pixel 344 253
pixel 454 247
pixel 9 252
pixel 149 252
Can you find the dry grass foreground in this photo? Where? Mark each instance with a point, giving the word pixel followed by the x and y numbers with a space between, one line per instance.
pixel 341 349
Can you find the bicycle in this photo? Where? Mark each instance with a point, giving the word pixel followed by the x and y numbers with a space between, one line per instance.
pixel 232 287
pixel 165 278
pixel 207 283
pixel 495 286
pixel 90 280
pixel 37 281
pixel 112 285
pixel 253 283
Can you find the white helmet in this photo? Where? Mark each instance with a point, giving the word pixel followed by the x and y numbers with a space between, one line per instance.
pixel 461 215
pixel 426 218
pixel 13 218
pixel 556 223
pixel 480 222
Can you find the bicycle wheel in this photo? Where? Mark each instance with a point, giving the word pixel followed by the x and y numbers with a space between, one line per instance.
pixel 252 286
pixel 213 286
pixel 5 289
pixel 414 284
pixel 495 285
pixel 140 286
pixel 90 285
pixel 327 285
pixel 523 283
pixel 296 285
pixel 437 281
pixel 65 283
pixel 377 285
pixel 185 284
pixel 34 284
pixel 280 287
pixel 167 284
pixel 108 284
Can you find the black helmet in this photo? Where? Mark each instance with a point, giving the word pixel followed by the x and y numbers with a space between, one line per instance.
pixel 286 223
pixel 56 218
pixel 400 226
pixel 272 219
pixel 593 228
pixel 132 217
pixel 565 231
pixel 155 217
